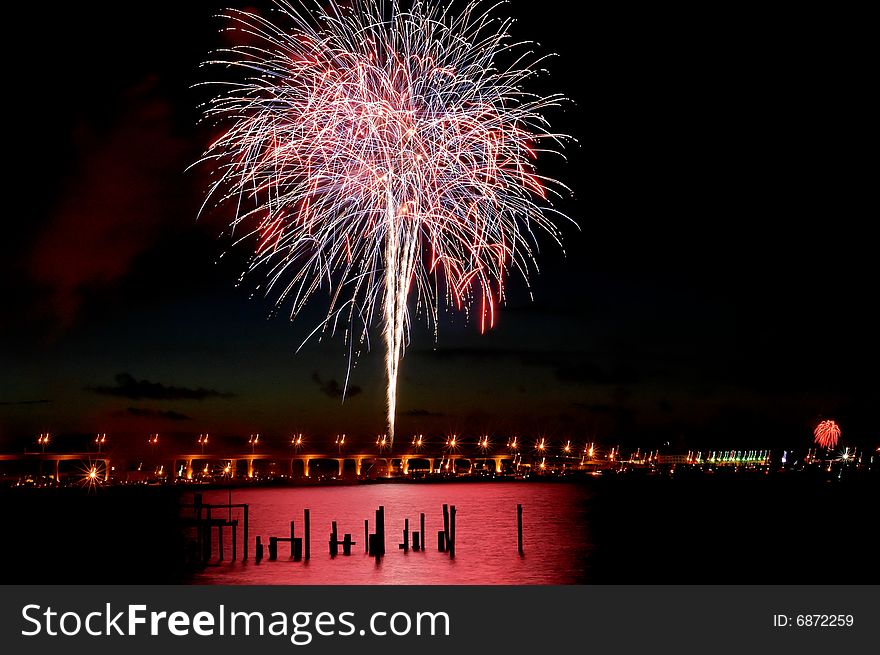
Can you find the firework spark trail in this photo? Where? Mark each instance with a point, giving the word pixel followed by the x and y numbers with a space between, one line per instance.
pixel 382 151
pixel 827 433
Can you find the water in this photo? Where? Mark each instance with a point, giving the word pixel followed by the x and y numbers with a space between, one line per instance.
pixel 555 528
pixel 718 529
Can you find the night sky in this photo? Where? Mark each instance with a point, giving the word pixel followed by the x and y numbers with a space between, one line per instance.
pixel 721 292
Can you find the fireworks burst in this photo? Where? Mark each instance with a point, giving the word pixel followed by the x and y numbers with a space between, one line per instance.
pixel 380 153
pixel 827 433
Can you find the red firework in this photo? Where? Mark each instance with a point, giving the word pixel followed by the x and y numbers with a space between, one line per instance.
pixel 827 433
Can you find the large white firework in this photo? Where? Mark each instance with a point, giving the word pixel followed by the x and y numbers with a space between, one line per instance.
pixel 381 152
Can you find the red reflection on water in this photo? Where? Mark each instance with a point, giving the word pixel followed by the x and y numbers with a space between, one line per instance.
pixel 556 540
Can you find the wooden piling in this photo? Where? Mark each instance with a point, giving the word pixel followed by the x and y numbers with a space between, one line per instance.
pixel 234 540
pixel 258 555
pixel 380 529
pixel 519 531
pixel 405 544
pixel 416 542
pixel 334 543
pixel 452 531
pixel 376 550
pixel 244 535
pixel 206 537
pixel 366 535
pixel 296 548
pixel 273 548
pixel 307 534
pixel 291 539
pixel 219 542
pixel 422 531
pixel 441 541
pixel 347 543
pixel 446 523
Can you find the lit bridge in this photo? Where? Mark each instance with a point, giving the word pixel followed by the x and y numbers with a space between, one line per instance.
pixel 300 464
pixel 186 465
pixel 82 459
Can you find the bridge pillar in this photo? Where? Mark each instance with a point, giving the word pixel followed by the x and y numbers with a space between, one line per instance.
pixel 173 469
pixel 57 467
pixel 357 465
pixel 404 464
pixel 292 460
pixel 250 464
pixel 431 464
pixel 498 461
pixel 341 461
pixel 306 466
pixel 106 470
pixel 189 469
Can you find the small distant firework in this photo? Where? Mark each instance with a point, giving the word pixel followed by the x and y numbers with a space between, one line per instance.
pixel 827 433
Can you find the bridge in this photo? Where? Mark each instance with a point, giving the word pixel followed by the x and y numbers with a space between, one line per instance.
pixel 92 459
pixel 186 464
pixel 183 465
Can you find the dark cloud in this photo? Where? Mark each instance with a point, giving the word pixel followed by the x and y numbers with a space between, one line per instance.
pixel 590 373
pixel 167 415
pixel 41 401
pixel 128 387
pixel 469 353
pixel 524 356
pixel 332 389
pixel 421 413
pixel 115 206
pixel 570 367
pixel 596 408
pixel 547 310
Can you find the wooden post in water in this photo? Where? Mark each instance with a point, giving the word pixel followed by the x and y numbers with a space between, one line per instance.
pixel 382 540
pixel 380 529
pixel 519 538
pixel 446 525
pixel 258 555
pixel 291 539
pixel 234 540
pixel 452 531
pixel 307 536
pixel 219 542
pixel 376 550
pixel 422 531
pixel 417 545
pixel 366 535
pixel 405 544
pixel 334 543
pixel 346 544
pixel 206 537
pixel 244 535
